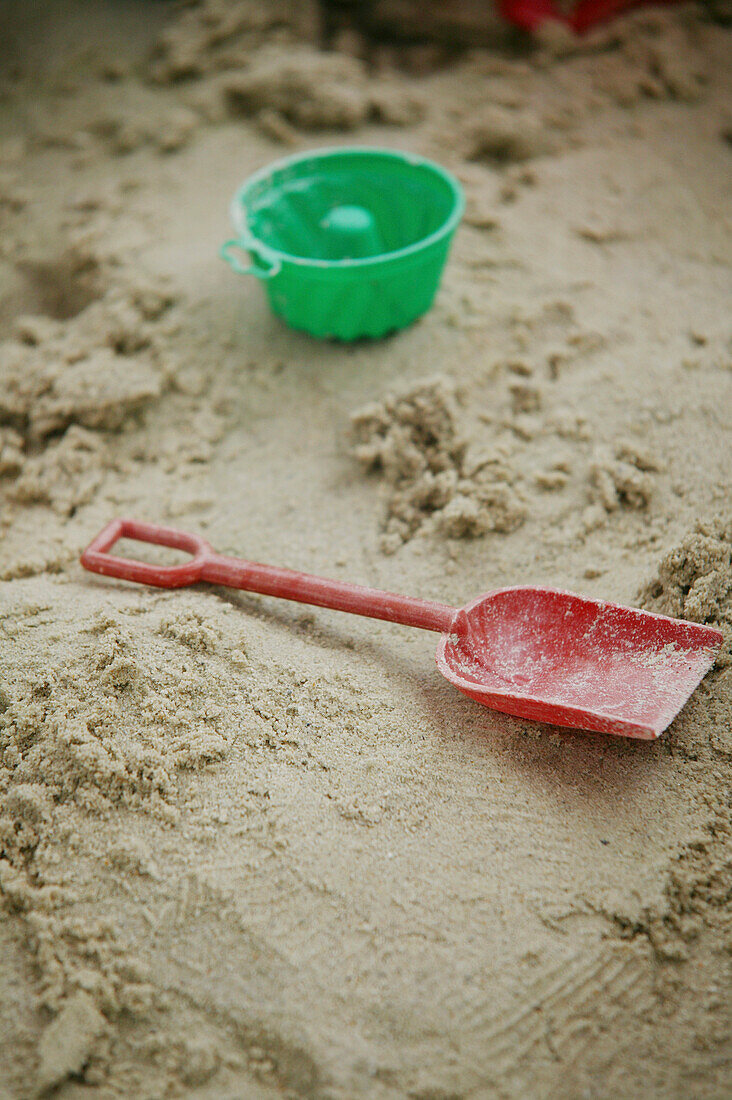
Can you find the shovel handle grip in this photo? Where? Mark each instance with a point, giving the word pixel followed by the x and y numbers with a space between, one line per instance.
pixel 268 580
pixel 97 558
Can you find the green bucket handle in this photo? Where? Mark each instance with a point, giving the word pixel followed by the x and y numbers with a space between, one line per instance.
pixel 272 268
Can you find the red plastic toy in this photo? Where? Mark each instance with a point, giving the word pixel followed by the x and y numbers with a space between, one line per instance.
pixel 530 14
pixel 538 653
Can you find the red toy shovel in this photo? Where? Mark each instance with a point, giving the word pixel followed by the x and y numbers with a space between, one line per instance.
pixel 530 14
pixel 538 653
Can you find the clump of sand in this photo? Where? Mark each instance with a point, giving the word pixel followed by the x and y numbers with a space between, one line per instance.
pixel 623 479
pixel 125 131
pixel 213 35
pixel 311 89
pixel 414 441
pixel 68 380
pixel 268 64
pixel 500 135
pixel 93 370
pixel 694 580
pixel 65 474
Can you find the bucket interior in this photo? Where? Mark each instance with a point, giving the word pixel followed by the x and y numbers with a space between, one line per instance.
pixel 352 205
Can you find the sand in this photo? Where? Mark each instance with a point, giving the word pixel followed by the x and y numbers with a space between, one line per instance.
pixel 251 849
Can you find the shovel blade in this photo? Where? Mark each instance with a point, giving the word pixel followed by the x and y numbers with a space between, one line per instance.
pixel 552 656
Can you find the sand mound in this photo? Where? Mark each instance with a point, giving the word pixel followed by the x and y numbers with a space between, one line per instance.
pixel 213 35
pixel 694 580
pixel 412 438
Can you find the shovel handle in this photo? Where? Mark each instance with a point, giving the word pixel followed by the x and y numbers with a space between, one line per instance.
pixel 268 580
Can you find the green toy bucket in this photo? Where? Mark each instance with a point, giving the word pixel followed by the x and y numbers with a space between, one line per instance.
pixel 349 242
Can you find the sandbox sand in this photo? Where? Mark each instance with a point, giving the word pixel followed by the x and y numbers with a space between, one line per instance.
pixel 250 849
